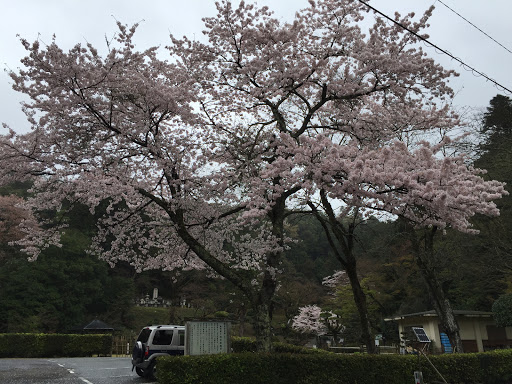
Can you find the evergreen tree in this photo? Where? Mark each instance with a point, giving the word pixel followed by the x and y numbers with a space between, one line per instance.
pixel 479 268
pixel 496 158
pixel 496 149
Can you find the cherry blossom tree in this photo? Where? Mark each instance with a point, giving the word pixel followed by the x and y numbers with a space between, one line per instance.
pixel 309 321
pixel 313 320
pixel 337 278
pixel 202 157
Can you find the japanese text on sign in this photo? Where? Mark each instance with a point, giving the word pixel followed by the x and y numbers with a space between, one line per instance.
pixel 207 337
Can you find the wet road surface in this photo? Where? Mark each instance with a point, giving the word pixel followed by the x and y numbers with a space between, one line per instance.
pixel 79 370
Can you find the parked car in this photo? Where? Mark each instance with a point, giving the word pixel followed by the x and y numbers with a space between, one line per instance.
pixel 154 341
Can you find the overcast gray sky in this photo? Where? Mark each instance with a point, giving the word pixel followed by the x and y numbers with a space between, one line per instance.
pixel 76 21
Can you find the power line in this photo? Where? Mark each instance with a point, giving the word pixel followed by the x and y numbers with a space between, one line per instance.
pixel 469 22
pixel 474 70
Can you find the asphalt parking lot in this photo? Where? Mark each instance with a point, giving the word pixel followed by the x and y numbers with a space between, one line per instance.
pixel 79 370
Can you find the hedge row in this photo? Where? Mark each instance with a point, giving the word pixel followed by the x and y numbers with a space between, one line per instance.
pixel 247 344
pixel 53 345
pixel 286 368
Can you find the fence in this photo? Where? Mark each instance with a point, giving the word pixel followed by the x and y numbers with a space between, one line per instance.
pixel 122 345
pixel 382 349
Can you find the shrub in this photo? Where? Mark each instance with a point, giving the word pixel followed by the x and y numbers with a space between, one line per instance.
pixel 243 344
pixel 502 311
pixel 284 368
pixel 328 368
pixel 221 314
pixel 247 344
pixel 87 345
pixel 53 345
pixel 21 345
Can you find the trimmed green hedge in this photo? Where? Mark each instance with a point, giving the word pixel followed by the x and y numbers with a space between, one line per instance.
pixel 286 368
pixel 247 344
pixel 53 345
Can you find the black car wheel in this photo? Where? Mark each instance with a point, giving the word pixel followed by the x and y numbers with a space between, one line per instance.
pixel 151 371
pixel 140 372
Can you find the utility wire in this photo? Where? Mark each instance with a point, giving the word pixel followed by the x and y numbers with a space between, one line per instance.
pixel 469 22
pixel 474 70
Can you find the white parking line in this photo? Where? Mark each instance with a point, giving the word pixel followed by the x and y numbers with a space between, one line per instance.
pixel 81 378
pixel 111 371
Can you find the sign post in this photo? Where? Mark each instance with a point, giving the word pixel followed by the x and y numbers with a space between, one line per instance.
pixel 418 377
pixel 422 337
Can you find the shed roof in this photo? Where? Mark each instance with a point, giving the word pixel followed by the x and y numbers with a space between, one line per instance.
pixel 97 325
pixel 432 313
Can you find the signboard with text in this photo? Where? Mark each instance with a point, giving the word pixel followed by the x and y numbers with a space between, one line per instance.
pixel 207 337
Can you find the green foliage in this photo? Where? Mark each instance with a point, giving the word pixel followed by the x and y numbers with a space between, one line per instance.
pixel 498 117
pixel 65 287
pixel 54 293
pixel 144 316
pixel 279 347
pixel 310 256
pixel 221 314
pixel 18 188
pixel 343 304
pixel 490 367
pixel 496 366
pixel 495 150
pixel 53 345
pixel 285 368
pixel 243 344
pixel 479 273
pixel 247 344
pixel 502 311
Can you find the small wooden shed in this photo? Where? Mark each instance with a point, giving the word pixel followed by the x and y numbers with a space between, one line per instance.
pixel 478 330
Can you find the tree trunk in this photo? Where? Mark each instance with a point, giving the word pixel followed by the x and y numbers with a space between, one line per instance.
pixel 262 327
pixel 441 304
pixel 241 318
pixel 344 240
pixel 450 325
pixel 425 259
pixel 362 308
pixel 262 302
pixel 259 297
